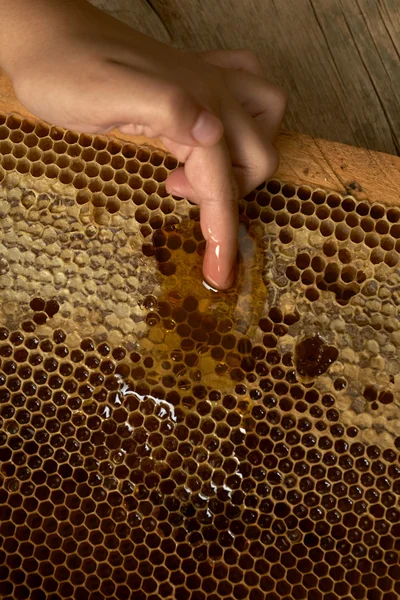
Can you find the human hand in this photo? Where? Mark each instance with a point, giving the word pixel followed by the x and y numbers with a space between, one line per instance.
pixel 86 71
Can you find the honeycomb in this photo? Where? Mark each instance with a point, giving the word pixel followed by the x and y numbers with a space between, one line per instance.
pixel 162 440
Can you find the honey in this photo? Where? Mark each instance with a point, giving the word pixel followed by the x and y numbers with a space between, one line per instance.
pixel 162 440
pixel 314 357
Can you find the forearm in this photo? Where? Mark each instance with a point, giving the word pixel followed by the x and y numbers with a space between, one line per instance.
pixel 27 24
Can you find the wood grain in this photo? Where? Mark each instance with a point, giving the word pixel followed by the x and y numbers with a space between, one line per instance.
pixel 337 59
pixel 139 15
pixel 304 160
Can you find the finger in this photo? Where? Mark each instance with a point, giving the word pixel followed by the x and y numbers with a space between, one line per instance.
pixel 264 102
pixel 208 180
pixel 250 177
pixel 180 151
pixel 139 103
pixel 247 179
pixel 178 184
pixel 238 60
pixel 253 156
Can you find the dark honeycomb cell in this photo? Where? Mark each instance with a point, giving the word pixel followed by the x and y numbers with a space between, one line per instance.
pixel 314 356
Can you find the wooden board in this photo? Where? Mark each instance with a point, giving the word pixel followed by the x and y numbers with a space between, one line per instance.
pixel 337 59
pixel 304 159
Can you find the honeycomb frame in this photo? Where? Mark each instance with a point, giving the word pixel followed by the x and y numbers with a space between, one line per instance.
pixel 158 440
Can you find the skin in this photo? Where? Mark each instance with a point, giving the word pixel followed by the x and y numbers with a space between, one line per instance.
pixel 84 70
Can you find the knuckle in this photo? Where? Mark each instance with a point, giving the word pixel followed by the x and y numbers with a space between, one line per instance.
pixel 272 162
pixel 177 104
pixel 247 55
pixel 267 164
pixel 249 59
pixel 280 96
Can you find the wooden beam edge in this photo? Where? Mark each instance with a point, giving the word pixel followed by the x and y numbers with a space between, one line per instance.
pixel 305 160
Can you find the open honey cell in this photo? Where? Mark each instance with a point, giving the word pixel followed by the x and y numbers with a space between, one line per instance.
pixel 160 440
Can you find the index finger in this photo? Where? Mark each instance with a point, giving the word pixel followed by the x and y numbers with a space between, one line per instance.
pixel 208 180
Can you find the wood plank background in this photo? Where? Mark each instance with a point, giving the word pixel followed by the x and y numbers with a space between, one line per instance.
pixel 339 60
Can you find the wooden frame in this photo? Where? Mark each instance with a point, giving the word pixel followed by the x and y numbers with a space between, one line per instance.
pixel 364 174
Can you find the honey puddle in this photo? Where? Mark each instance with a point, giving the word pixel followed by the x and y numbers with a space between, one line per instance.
pixel 189 315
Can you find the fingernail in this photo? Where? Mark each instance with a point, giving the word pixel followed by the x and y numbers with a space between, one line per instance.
pixel 208 129
pixel 224 284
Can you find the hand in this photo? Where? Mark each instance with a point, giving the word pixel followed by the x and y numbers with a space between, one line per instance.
pixel 86 71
